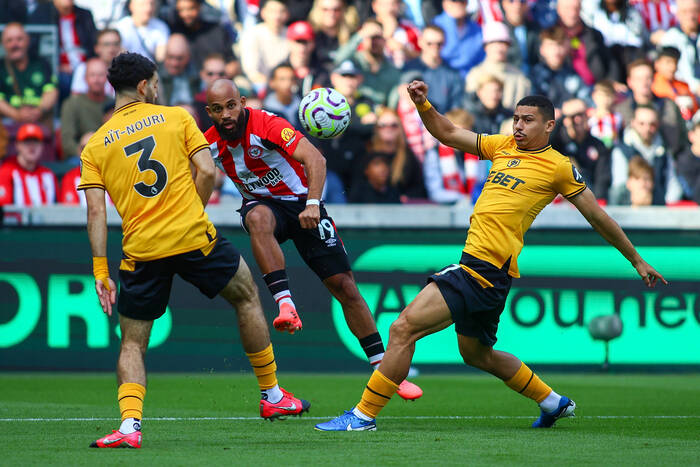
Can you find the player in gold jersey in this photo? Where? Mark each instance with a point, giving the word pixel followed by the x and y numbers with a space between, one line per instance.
pixel 526 175
pixel 142 158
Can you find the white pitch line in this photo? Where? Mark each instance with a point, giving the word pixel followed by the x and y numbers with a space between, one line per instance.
pixel 427 417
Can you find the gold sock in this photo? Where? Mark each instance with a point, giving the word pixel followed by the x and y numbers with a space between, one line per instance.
pixel 265 368
pixel 527 383
pixel 377 394
pixel 131 396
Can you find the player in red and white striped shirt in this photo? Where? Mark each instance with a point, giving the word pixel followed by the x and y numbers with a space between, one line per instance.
pixel 280 175
pixel 658 15
pixel 23 181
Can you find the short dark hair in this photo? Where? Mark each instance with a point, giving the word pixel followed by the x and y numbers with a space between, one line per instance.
pixel 670 51
pixel 544 105
pixel 128 70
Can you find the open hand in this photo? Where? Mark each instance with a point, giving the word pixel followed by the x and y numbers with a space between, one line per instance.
pixel 107 294
pixel 649 275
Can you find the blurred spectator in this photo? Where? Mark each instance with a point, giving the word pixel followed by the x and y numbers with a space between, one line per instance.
pixel 686 38
pixel 445 89
pixel 76 36
pixel 666 85
pixel 105 13
pixel 302 59
pixel 589 55
pixel 487 107
pixel 496 42
pixel 640 183
pixel 622 28
pixel 333 23
pixel 346 151
pixel 445 83
pixel 573 138
pixel 264 46
pixel 523 31
pixel 213 68
pixel 4 142
pixel 553 76
pixel 658 16
pixel 82 113
pixel 643 137
pixel 374 186
pixel 142 32
pixel 462 49
pixel 282 98
pixel 441 173
pixel 108 46
pixel 178 79
pixel 388 140
pixel 205 37
pixel 23 181
pixel 689 165
pixel 604 122
pixel 68 193
pixel 401 36
pixel 298 9
pixel 28 91
pixel 380 77
pixel 14 10
pixel 475 170
pixel 640 77
pixel 422 12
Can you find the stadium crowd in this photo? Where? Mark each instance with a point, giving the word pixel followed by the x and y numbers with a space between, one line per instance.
pixel 624 77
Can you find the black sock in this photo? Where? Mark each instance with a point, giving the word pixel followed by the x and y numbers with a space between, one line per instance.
pixel 276 281
pixel 373 347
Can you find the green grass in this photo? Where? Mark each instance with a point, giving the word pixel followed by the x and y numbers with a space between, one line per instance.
pixel 618 422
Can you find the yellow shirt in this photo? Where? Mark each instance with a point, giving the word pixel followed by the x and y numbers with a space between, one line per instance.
pixel 141 156
pixel 520 184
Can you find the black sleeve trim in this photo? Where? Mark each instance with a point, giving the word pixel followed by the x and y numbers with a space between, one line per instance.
pixel 571 195
pixel 198 148
pixel 90 185
pixel 478 147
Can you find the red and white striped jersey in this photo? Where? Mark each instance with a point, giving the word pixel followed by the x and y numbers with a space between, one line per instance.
pixel 24 188
pixel 260 163
pixel 657 14
pixel 606 128
pixel 69 193
pixel 71 50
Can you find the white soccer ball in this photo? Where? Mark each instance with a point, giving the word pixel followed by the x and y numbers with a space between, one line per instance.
pixel 324 113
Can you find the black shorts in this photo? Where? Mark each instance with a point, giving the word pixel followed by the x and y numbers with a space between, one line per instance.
pixel 145 290
pixel 320 248
pixel 475 310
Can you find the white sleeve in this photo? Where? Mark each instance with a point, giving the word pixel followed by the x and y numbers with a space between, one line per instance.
pixel 78 84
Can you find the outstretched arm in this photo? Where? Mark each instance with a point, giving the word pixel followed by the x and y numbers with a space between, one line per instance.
pixel 587 205
pixel 437 124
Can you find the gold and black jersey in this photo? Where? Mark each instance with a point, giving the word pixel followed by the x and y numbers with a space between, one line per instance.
pixel 141 156
pixel 520 184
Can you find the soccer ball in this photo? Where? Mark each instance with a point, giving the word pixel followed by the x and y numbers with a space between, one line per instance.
pixel 324 113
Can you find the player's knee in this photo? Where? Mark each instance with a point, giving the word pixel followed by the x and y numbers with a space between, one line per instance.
pixel 133 347
pixel 401 330
pixel 343 287
pixel 478 358
pixel 259 220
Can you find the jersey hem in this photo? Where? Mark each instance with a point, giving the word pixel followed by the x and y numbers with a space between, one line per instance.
pixel 90 185
pixel 571 195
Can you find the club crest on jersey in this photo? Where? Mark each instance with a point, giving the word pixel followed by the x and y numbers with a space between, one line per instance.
pixel 255 151
pixel 287 134
pixel 513 163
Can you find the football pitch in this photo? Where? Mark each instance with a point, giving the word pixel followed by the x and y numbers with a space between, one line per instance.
pixel 469 419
